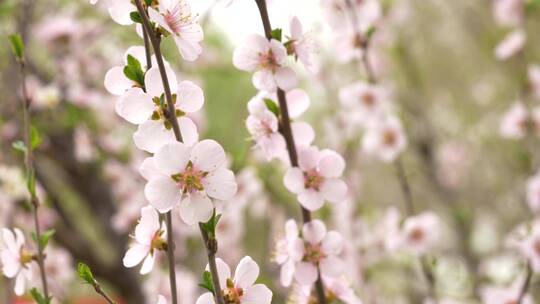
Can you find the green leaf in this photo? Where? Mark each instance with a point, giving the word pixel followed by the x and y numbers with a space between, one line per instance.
pixel 133 70
pixel 135 17
pixel 276 34
pixel 210 226
pixel 17 45
pixel 370 32
pixel 31 183
pixel 46 237
pixel 148 2
pixel 19 146
pixel 35 138
pixel 85 273
pixel 272 106
pixel 207 281
pixel 38 297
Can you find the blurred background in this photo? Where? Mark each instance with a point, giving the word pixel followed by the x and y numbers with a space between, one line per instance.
pixel 435 56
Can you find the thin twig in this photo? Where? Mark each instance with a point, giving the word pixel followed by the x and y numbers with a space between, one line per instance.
pixel 526 284
pixel 211 246
pixel 286 130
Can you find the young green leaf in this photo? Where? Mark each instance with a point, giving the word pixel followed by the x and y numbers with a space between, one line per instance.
pixel 31 183
pixel 133 70
pixel 135 17
pixel 85 273
pixel 35 138
pixel 46 237
pixel 276 34
pixel 207 281
pixel 17 45
pixel 19 146
pixel 38 297
pixel 272 106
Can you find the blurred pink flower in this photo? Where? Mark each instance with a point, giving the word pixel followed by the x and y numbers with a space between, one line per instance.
pixel 514 122
pixel 301 45
pixel 421 232
pixel 512 44
pixel 508 12
pixel 385 139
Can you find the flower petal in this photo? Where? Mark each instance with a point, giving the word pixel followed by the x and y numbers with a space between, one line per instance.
pixel 206 298
pixel 172 158
pixel 135 255
pixel 334 190
pixel 297 102
pixel 306 273
pixel 331 164
pixel 162 193
pixel 148 264
pixel 294 180
pixel 208 155
pixel 246 273
pixel 190 97
pixel 188 129
pixel 116 82
pixel 311 199
pixel 257 294
pixel 220 184
pixel 154 83
pixel 135 106
pixel 196 208
pixel 314 231
pixel 152 135
pixel 332 244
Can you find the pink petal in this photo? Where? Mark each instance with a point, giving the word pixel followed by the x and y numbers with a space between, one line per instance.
pixel 246 273
pixel 311 199
pixel 220 184
pixel 303 133
pixel 120 10
pixel 135 106
pixel 334 190
pixel 188 129
pixel 331 267
pixel 287 273
pixel 135 255
pixel 172 158
pixel 306 273
pixel 286 78
pixel 206 298
pixel 257 294
pixel 148 169
pixel 332 244
pixel 152 135
pixel 20 284
pixel 147 226
pixel 189 48
pixel 196 208
pixel 154 84
pixel 264 80
pixel 190 97
pixel 294 180
pixel 148 264
pixel 297 102
pixel 162 193
pixel 116 82
pixel 308 158
pixel 208 155
pixel 331 164
pixel 224 272
pixel 314 232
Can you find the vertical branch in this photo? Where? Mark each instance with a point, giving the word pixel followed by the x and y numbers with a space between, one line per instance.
pixel 30 171
pixel 286 130
pixel 526 284
pixel 405 187
pixel 209 242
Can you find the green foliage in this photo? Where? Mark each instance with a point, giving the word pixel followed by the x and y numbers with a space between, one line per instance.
pixel 17 46
pixel 47 235
pixel 133 70
pixel 272 106
pixel 207 281
pixel 85 273
pixel 135 17
pixel 210 226
pixel 39 298
pixel 35 138
pixel 276 34
pixel 31 182
pixel 19 145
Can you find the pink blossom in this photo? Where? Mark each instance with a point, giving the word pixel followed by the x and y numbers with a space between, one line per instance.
pixel 510 45
pixel 16 260
pixel 161 300
pixel 265 58
pixel 175 17
pixel 530 247
pixel 534 79
pixel 301 45
pixel 193 176
pixel 335 290
pixel 385 139
pixel 317 178
pixel 320 253
pixel 420 232
pixel 364 102
pixel 508 12
pixel 241 288
pixel 533 193
pixel 514 122
pixel 115 80
pixel 149 238
pixel 289 252
pixel 505 294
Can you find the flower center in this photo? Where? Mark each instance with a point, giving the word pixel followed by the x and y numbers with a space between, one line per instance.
pixel 389 138
pixel 268 61
pixel 416 235
pixel 313 253
pixel 312 180
pixel 367 99
pixel 191 180
pixel 25 256
pixel 232 294
pixel 161 111
pixel 178 17
pixel 158 243
pixel 330 297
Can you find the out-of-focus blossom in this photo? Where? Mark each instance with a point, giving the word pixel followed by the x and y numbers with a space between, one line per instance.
pixel 12 182
pixel 534 79
pixel 241 288
pixel 149 238
pixel 515 121
pixel 421 232
pixel 46 97
pixel 335 290
pixel 85 150
pixel 289 252
pixel 16 259
pixel 530 247
pixel 320 253
pixel 59 271
pixel 533 193
pixel 505 294
pixel 175 17
pixel 300 45
pixel 508 12
pixel 385 139
pixel 364 103
pixel 265 58
pixel 511 45
pixel 317 178
pixel 157 283
pixel 193 176
pixel 453 160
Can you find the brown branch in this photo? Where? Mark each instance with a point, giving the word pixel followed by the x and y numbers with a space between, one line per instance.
pixel 526 284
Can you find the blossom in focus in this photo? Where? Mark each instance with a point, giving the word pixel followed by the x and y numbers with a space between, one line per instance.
pixel 176 18
pixel 320 253
pixel 317 178
pixel 289 252
pixel 420 232
pixel 16 259
pixel 193 176
pixel 510 45
pixel 385 139
pixel 265 58
pixel 241 287
pixel 116 81
pixel 300 45
pixel 149 238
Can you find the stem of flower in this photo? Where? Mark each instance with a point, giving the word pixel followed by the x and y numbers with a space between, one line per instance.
pixel 286 130
pixel 211 245
pixel 30 173
pixel 405 187
pixel 210 242
pixel 526 284
pixel 102 293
